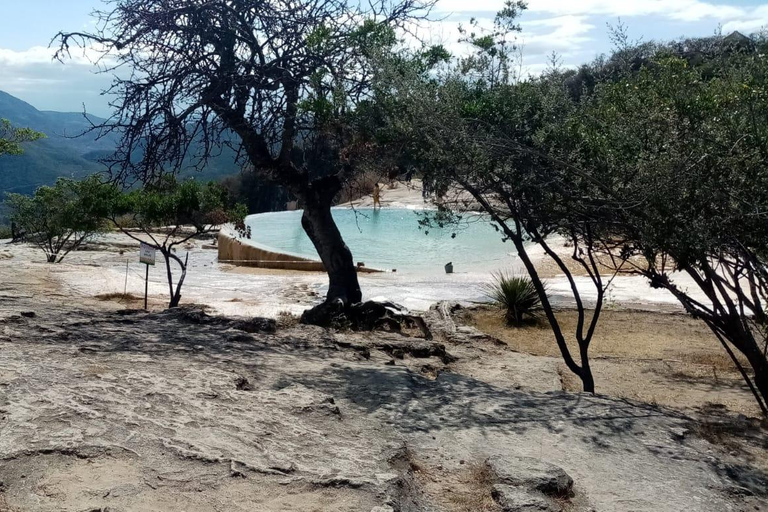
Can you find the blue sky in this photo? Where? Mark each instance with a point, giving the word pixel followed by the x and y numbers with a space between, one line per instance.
pixel 575 29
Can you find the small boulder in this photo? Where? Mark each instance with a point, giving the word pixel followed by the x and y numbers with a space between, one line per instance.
pixel 514 499
pixel 532 474
pixel 243 384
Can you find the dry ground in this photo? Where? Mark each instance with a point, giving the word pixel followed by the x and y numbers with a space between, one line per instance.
pixel 103 409
pixel 658 358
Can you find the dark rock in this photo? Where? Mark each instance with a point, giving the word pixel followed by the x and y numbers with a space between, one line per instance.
pixel 327 314
pixel 417 349
pixel 196 315
pixel 750 480
pixel 28 314
pixel 240 338
pixel 255 325
pixel 242 384
pixel 337 481
pixel 514 499
pixel 532 474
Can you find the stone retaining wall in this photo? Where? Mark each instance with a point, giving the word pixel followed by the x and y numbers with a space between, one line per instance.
pixel 235 252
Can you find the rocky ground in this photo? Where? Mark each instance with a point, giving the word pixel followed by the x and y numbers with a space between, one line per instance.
pixel 121 410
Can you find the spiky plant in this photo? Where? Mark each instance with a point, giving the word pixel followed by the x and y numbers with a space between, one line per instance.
pixel 516 295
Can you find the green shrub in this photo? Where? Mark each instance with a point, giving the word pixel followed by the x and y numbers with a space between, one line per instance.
pixel 516 295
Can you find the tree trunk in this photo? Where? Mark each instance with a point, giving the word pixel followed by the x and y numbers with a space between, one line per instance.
pixel 167 257
pixel 176 296
pixel 587 380
pixel 758 361
pixel 321 229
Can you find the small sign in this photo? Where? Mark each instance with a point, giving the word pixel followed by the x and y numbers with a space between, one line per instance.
pixel 147 254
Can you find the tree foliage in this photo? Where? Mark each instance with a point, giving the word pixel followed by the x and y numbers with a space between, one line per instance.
pixel 682 143
pixel 168 214
pixel 12 138
pixel 650 160
pixel 476 129
pixel 276 80
pixel 59 218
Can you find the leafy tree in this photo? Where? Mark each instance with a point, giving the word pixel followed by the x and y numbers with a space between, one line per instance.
pixel 682 142
pixel 12 138
pixel 477 129
pixel 169 214
pixel 276 80
pixel 61 217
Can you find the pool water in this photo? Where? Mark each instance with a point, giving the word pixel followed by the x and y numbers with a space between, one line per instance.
pixel 391 238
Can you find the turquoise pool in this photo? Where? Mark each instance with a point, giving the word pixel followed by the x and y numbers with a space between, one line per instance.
pixel 391 239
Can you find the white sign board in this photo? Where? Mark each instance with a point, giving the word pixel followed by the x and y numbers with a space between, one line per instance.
pixel 147 254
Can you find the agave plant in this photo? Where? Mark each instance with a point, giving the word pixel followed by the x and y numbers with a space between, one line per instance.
pixel 516 295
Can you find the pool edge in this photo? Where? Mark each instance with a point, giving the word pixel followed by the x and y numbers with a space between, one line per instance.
pixel 234 252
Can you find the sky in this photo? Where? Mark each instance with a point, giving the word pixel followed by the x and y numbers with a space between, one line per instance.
pixel 577 30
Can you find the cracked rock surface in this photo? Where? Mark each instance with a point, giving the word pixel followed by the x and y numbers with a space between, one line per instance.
pixel 132 411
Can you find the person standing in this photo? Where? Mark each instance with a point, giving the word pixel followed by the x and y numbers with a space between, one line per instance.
pixel 376 196
pixel 408 177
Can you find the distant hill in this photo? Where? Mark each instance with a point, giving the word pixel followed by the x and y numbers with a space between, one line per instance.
pixel 67 151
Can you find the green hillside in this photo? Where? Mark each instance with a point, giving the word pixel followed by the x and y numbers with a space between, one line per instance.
pixel 68 151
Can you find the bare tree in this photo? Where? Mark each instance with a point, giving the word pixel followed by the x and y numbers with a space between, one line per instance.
pixel 270 78
pixel 168 215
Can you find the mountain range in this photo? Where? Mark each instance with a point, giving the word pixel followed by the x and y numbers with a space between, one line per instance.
pixel 68 150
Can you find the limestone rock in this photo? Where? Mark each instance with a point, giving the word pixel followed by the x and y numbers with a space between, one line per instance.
pixel 440 320
pixel 514 499
pixel 532 474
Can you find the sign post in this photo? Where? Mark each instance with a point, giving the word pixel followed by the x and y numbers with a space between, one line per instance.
pixel 146 256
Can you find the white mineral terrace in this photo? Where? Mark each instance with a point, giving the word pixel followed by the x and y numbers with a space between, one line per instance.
pixel 242 291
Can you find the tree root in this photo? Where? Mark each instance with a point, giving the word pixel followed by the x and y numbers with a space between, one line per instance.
pixel 365 316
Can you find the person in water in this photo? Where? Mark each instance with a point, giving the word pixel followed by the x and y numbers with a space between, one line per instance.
pixel 376 196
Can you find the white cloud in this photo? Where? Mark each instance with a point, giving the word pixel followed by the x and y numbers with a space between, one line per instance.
pixel 539 37
pixel 43 55
pixel 684 10
pixel 755 22
pixel 569 26
pixel 745 26
pixel 567 34
pixel 34 76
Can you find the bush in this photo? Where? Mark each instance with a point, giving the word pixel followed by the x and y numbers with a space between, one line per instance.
pixel 516 296
pixel 59 218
